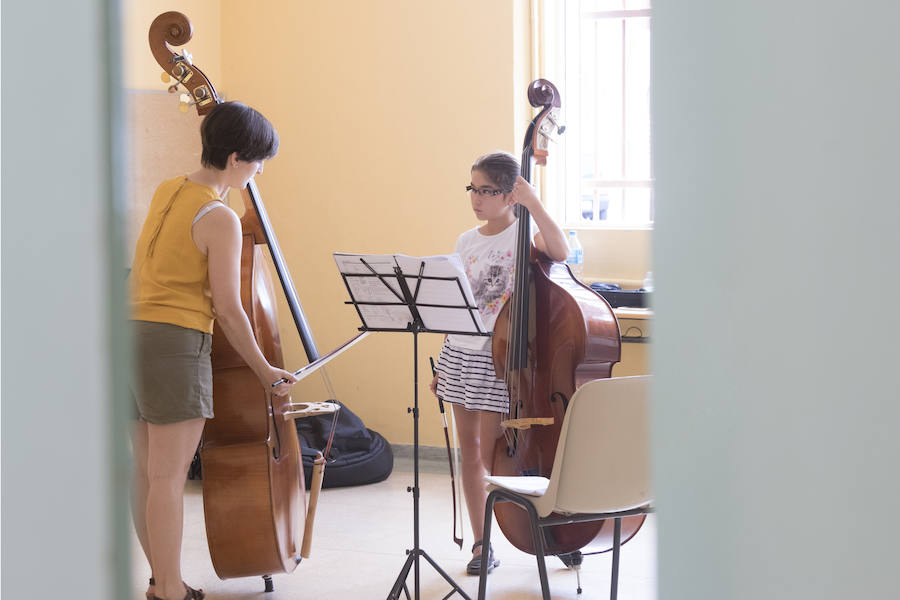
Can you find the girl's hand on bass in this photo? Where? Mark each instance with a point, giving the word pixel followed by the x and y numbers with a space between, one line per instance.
pixel 523 193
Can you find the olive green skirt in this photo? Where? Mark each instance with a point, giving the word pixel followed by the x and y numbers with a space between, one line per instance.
pixel 172 375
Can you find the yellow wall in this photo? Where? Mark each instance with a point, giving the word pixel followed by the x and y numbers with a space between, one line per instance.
pixel 381 109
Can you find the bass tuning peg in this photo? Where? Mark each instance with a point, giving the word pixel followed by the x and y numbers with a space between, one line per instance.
pixel 184 57
pixel 181 73
pixel 184 103
pixel 560 129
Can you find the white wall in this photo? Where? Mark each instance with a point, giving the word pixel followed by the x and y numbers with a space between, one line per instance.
pixel 776 258
pixel 63 510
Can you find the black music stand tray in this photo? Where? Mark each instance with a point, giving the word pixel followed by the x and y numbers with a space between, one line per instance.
pixel 401 299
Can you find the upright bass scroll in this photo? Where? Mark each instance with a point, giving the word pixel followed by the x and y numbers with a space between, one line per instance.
pixel 174 29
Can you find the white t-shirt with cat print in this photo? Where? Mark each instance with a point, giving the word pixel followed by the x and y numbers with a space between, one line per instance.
pixel 490 264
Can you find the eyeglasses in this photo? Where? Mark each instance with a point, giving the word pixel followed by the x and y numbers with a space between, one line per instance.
pixel 487 192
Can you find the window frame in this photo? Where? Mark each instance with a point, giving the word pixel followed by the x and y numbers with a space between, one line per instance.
pixel 554 23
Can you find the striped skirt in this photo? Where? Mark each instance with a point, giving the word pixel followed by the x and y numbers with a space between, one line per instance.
pixel 466 377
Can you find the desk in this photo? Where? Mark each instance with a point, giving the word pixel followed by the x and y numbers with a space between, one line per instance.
pixel 634 327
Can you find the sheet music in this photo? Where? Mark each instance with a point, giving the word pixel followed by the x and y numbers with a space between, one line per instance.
pixel 436 291
pixel 456 313
pixel 351 263
pixel 366 288
pixel 372 289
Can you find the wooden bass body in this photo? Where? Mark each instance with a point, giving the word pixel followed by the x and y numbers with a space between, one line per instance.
pixel 254 497
pixel 573 338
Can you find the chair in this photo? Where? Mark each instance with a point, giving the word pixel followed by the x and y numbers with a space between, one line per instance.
pixel 601 470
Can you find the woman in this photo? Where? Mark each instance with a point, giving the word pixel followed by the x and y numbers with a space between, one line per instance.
pixel 186 274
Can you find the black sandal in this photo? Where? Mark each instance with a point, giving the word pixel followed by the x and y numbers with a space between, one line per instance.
pixel 192 594
pixel 195 594
pixel 189 594
pixel 474 566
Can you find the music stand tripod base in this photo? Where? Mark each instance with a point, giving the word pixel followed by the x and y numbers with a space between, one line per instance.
pixel 413 555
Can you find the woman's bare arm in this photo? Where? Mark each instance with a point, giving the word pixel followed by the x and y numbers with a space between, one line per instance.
pixel 219 233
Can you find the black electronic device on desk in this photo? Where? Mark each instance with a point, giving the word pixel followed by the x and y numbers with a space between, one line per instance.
pixel 617 297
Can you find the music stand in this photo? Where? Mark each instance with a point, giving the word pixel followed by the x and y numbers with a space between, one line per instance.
pixel 383 300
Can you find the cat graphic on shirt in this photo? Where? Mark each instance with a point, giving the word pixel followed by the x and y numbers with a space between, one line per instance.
pixel 492 284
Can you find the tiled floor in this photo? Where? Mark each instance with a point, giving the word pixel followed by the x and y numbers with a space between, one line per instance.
pixel 362 533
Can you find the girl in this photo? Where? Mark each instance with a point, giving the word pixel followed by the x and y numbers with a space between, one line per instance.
pixel 465 372
pixel 187 273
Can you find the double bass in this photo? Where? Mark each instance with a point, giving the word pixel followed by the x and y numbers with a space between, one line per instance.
pixel 553 335
pixel 254 497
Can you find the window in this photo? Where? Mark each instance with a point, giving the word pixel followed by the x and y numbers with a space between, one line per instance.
pixel 597 52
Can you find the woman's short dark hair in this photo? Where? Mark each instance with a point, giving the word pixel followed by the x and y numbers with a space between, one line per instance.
pixel 501 168
pixel 235 127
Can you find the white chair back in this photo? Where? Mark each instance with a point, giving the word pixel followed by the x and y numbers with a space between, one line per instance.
pixel 602 462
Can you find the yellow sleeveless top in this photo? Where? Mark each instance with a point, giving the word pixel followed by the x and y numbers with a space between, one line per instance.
pixel 170 276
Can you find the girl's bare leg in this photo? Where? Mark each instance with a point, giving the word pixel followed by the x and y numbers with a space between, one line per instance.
pixel 468 426
pixel 490 431
pixel 171 449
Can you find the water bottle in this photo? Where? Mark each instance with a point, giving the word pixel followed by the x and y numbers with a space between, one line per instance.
pixel 575 259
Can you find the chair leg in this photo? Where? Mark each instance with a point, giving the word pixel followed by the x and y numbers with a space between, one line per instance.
pixel 486 543
pixel 617 539
pixel 537 538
